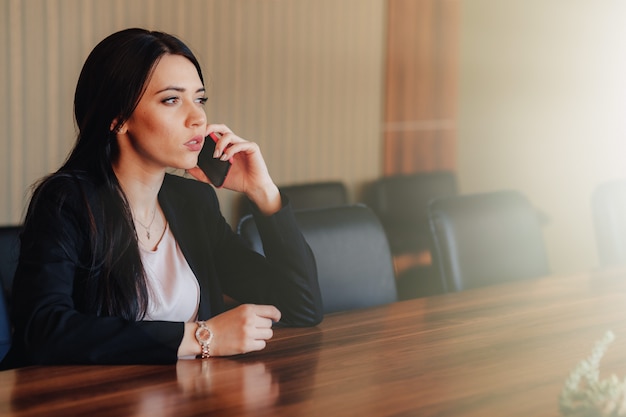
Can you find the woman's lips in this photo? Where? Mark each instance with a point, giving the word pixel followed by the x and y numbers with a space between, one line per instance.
pixel 195 144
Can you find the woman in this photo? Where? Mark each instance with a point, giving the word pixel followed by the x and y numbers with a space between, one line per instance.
pixel 121 262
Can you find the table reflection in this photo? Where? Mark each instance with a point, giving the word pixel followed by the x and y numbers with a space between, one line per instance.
pixel 253 384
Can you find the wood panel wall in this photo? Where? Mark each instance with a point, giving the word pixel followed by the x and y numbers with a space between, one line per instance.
pixel 421 86
pixel 303 78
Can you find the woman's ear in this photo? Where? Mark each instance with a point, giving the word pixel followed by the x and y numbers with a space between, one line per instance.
pixel 121 129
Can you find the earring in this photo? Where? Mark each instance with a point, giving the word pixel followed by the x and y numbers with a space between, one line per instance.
pixel 121 129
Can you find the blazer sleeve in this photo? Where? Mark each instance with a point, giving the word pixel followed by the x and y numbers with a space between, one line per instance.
pixel 50 325
pixel 285 277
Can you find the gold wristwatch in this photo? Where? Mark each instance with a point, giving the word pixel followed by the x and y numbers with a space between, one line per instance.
pixel 204 335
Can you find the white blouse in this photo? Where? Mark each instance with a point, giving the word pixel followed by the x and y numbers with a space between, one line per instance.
pixel 174 293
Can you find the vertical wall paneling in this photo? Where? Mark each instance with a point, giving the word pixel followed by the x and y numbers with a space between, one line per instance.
pixel 16 118
pixel 449 38
pixel 5 153
pixel 52 91
pixel 302 78
pixel 419 130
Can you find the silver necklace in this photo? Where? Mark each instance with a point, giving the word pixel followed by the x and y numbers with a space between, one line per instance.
pixel 149 224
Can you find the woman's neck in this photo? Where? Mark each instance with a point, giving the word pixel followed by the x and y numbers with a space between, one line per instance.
pixel 141 189
pixel 142 193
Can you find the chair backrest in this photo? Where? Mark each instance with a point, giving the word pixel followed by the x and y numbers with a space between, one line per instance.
pixel 354 264
pixel 306 196
pixel 9 253
pixel 484 239
pixel 401 203
pixel 316 194
pixel 608 206
pixel 5 326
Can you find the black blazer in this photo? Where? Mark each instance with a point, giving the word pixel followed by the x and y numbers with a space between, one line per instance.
pixel 53 323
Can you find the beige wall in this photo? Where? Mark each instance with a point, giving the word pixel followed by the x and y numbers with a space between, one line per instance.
pixel 542 109
pixel 542 92
pixel 302 78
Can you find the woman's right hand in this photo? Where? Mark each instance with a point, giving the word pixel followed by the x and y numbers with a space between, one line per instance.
pixel 243 329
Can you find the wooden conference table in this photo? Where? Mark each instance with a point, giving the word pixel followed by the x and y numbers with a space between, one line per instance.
pixel 505 350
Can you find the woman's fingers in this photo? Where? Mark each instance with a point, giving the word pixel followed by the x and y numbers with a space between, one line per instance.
pixel 243 329
pixel 220 128
pixel 268 311
pixel 228 147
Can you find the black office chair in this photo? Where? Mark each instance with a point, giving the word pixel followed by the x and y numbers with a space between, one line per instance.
pixel 354 263
pixel 5 326
pixel 401 203
pixel 304 196
pixel 9 253
pixel 484 239
pixel 608 206
pixel 316 194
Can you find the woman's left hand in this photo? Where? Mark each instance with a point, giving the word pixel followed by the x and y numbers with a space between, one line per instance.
pixel 248 173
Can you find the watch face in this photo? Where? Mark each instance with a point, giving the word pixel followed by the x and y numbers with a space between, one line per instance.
pixel 203 334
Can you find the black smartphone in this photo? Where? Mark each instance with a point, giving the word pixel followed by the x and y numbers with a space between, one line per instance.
pixel 214 168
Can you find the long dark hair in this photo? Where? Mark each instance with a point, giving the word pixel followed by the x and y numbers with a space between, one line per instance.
pixel 111 83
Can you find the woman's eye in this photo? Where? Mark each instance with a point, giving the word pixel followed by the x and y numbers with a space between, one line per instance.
pixel 202 100
pixel 170 100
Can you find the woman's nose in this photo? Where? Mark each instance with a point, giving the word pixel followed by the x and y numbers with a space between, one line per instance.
pixel 196 116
